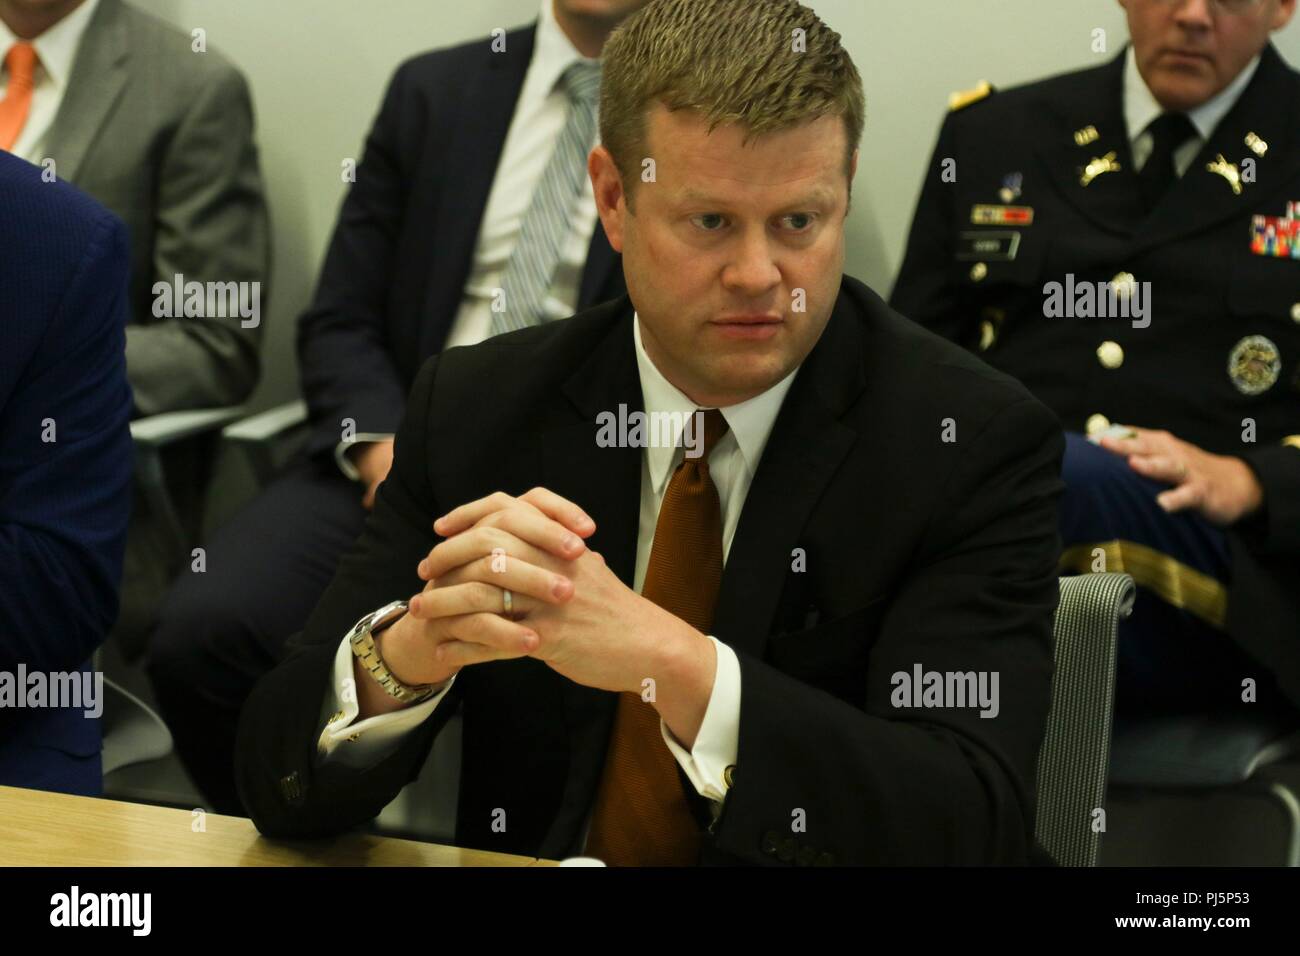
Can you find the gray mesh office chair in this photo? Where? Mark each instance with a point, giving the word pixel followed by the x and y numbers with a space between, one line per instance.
pixel 1075 755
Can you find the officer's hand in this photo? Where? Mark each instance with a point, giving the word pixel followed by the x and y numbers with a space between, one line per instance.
pixel 1222 488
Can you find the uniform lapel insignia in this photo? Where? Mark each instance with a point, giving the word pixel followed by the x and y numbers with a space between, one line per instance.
pixel 1099 165
pixel 1257 145
pixel 1228 171
pixel 1089 134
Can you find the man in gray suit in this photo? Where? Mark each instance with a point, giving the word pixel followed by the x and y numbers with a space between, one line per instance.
pixel 159 129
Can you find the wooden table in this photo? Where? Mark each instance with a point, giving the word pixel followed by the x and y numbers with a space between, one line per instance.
pixel 57 829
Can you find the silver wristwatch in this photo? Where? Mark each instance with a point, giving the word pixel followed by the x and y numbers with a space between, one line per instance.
pixel 362 639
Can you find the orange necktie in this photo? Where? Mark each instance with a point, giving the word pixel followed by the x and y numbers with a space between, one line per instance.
pixel 20 61
pixel 641 817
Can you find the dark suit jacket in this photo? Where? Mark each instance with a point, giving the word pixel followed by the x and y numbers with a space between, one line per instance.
pixel 63 502
pixel 395 271
pixel 918 551
pixel 163 137
pixel 1209 292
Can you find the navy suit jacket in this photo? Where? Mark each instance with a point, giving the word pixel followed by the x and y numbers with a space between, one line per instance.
pixel 395 272
pixel 65 460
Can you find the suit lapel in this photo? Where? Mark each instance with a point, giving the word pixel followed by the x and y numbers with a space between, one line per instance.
pixel 473 147
pixel 807 444
pixel 99 76
pixel 1201 198
pixel 606 482
pixel 1110 199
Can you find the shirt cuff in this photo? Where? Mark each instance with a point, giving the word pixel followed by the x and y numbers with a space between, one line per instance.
pixel 718 740
pixel 341 452
pixel 366 743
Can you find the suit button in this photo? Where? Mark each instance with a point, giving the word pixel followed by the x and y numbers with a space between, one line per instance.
pixel 1295 312
pixel 1096 424
pixel 291 788
pixel 978 271
pixel 806 856
pixel 788 850
pixel 825 859
pixel 769 842
pixel 1110 354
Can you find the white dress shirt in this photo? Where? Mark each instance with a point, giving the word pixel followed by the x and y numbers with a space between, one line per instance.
pixel 732 465
pixel 57 50
pixel 540 115
pixel 1141 107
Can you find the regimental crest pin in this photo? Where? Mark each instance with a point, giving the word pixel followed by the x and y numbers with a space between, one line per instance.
pixel 1011 184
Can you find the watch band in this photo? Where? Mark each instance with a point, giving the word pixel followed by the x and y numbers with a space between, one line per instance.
pixel 362 639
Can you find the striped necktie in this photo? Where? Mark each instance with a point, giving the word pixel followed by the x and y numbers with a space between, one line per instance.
pixel 546 224
pixel 20 62
pixel 641 817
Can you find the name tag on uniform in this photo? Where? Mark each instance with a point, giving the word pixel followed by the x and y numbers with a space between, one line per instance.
pixel 988 246
pixel 1277 237
pixel 1002 215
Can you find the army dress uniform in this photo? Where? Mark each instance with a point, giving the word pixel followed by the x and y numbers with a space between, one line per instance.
pixel 1038 185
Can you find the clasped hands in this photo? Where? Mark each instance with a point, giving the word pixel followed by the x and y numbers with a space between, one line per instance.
pixel 569 609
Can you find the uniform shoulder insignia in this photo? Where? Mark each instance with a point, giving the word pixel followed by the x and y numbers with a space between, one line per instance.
pixel 964 98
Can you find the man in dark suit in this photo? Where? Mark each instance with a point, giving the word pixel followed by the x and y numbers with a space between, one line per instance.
pixel 65 469
pixel 764 511
pixel 1116 238
pixel 159 128
pixel 471 214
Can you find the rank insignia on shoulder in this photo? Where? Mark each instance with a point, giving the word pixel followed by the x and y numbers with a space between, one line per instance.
pixel 1277 237
pixel 990 215
pixel 964 98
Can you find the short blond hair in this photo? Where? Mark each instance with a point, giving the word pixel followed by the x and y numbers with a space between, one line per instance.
pixel 766 65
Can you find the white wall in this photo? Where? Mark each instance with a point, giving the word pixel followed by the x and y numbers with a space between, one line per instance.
pixel 318 69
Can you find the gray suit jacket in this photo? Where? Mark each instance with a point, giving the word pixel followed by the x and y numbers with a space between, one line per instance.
pixel 163 136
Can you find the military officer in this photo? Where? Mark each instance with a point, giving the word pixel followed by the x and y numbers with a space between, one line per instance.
pixel 1126 241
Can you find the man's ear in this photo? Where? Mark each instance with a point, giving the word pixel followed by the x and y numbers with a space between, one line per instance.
pixel 1282 16
pixel 607 184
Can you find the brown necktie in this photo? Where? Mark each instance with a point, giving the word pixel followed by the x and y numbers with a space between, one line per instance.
pixel 20 62
pixel 641 817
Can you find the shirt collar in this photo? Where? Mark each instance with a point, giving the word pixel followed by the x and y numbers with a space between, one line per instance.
pixel 750 421
pixel 553 51
pixel 57 46
pixel 1141 107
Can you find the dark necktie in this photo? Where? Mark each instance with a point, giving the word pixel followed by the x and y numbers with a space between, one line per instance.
pixel 641 816
pixel 1169 131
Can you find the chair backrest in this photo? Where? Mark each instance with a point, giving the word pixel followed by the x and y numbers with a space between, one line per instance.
pixel 1073 760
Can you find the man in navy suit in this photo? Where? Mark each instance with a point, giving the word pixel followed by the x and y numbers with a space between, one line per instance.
pixel 65 470
pixel 471 214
